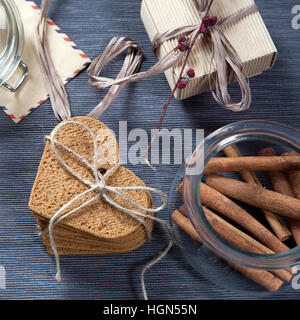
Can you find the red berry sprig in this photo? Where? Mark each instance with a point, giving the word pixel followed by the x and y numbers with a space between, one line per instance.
pixel 190 46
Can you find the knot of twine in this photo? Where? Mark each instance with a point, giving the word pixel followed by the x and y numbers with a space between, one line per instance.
pixel 100 187
pixel 227 61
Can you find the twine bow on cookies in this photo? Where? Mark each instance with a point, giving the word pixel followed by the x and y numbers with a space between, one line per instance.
pixel 100 187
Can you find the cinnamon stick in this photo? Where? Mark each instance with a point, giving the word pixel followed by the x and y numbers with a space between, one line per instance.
pixel 219 202
pixel 294 179
pixel 278 163
pixel 275 221
pixel 280 183
pixel 233 151
pixel 231 234
pixel 239 239
pixel 294 176
pixel 262 277
pixel 256 196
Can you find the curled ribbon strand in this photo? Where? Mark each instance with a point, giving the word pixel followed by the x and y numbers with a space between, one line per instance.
pixel 228 64
pixel 103 190
pixel 128 73
pixel 53 82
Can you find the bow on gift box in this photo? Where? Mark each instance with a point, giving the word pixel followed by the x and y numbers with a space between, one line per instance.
pixel 227 62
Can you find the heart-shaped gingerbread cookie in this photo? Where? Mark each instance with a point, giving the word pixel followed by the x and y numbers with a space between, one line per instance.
pixel 98 227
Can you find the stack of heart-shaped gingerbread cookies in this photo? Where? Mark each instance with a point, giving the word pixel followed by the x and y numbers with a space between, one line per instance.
pixel 98 228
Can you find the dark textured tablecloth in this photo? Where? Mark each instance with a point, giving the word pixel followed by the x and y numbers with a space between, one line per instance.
pixel 30 271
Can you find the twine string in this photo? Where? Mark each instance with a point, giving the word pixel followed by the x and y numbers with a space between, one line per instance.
pixel 103 190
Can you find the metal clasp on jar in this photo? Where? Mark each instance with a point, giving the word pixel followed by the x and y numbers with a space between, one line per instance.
pixel 14 89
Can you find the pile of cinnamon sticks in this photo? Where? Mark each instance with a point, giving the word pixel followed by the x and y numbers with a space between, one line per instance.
pixel 283 200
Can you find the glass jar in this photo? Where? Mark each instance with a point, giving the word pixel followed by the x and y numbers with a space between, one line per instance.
pixel 250 137
pixel 11 44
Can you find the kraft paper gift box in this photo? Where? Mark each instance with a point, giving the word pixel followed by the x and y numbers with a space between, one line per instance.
pixel 248 36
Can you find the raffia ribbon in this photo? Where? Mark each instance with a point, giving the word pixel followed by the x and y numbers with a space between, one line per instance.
pixel 100 188
pixel 228 64
pixel 53 82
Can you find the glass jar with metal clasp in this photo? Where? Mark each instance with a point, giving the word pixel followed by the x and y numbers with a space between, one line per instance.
pixel 11 45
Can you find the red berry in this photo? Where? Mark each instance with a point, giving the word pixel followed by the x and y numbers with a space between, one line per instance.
pixel 191 73
pixel 181 84
pixel 203 29
pixel 213 21
pixel 182 47
pixel 182 39
pixel 206 21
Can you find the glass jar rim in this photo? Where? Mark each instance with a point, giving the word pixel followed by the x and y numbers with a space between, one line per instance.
pixel 13 50
pixel 233 133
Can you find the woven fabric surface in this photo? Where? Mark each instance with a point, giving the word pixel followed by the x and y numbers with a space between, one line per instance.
pixel 30 271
